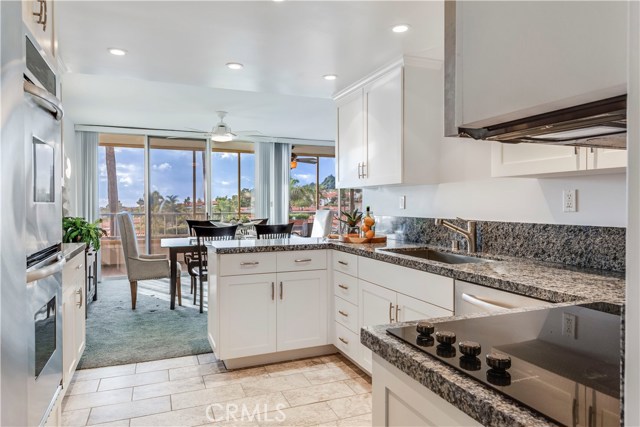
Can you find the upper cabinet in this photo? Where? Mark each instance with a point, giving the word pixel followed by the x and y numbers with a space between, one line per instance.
pixel 38 18
pixel 510 60
pixel 390 126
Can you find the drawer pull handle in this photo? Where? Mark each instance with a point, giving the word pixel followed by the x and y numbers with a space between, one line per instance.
pixel 397 310
pixel 341 286
pixel 343 262
pixel 343 313
pixel 281 290
pixel 79 293
pixel 249 263
pixel 273 291
pixel 303 260
pixel 343 340
pixel 390 310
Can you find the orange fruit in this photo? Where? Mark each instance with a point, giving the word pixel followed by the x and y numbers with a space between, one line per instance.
pixel 365 228
pixel 369 221
pixel 369 234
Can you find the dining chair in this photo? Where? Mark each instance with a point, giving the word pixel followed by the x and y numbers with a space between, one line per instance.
pixel 189 257
pixel 276 231
pixel 203 235
pixel 140 266
pixel 322 222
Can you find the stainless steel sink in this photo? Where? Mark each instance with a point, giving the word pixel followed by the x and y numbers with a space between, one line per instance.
pixel 433 255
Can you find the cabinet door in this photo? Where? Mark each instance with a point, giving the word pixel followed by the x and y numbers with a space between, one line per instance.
pixel 606 158
pixel 535 159
pixel 79 319
pixel 302 309
pixel 248 307
pixel 350 141
pixel 377 305
pixel 69 353
pixel 383 104
pixel 408 308
pixel 604 411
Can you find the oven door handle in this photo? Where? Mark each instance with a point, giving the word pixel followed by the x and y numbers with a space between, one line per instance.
pixel 49 102
pixel 484 303
pixel 47 271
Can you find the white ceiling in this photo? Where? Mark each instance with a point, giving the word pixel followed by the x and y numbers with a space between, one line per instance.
pixel 174 75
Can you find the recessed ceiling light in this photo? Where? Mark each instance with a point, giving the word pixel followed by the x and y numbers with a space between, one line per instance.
pixel 117 52
pixel 330 76
pixel 402 28
pixel 235 65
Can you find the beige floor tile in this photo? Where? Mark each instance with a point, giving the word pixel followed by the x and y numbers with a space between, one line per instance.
pixel 119 423
pixel 133 380
pixel 109 371
pixel 359 421
pixel 196 371
pixel 157 365
pixel 100 398
pixel 247 408
pixel 236 423
pixel 207 358
pixel 75 418
pixel 359 385
pixel 237 376
pixel 332 359
pixel 183 417
pixel 294 367
pixel 81 387
pixel 128 410
pixel 207 397
pixel 317 393
pixel 351 406
pixel 167 388
pixel 301 416
pixel 272 385
pixel 338 373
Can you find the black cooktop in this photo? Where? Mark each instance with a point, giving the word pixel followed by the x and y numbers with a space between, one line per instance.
pixel 570 375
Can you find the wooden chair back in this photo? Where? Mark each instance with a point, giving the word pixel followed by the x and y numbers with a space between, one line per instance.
pixel 200 223
pixel 276 231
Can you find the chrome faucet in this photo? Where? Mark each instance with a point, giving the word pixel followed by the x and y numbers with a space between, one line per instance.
pixel 469 234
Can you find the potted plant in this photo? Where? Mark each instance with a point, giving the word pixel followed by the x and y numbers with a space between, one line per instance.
pixel 351 220
pixel 78 229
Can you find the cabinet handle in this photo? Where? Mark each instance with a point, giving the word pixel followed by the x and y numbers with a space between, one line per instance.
pixel 359 173
pixel 343 340
pixel 341 286
pixel 343 313
pixel 390 311
pixel 281 291
pixel 303 260
pixel 574 412
pixel 42 14
pixel 249 263
pixel 397 310
pixel 343 263
pixel 364 174
pixel 79 293
pixel 273 291
pixel 592 418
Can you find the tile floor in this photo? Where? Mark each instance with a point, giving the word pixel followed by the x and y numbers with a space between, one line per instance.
pixel 198 391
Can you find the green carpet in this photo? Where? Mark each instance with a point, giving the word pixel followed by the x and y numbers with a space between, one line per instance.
pixel 117 335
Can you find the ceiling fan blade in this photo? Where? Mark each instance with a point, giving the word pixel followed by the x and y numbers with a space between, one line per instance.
pixel 196 130
pixel 250 133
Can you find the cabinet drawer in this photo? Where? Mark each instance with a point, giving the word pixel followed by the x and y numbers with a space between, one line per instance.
pixel 346 287
pixel 253 263
pixel 347 342
pixel 302 260
pixel 346 314
pixel 73 271
pixel 345 263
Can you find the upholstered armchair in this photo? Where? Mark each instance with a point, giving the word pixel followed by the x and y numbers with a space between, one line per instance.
pixel 140 266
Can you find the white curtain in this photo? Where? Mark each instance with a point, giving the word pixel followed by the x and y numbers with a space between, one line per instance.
pixel 88 177
pixel 272 162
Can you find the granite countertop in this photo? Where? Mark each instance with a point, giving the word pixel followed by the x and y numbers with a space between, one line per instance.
pixel 70 250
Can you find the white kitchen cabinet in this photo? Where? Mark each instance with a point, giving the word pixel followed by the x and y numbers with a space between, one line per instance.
pixel 540 160
pixel 578 57
pixel 73 316
pixel 302 309
pixel 44 35
pixel 408 309
pixel 400 121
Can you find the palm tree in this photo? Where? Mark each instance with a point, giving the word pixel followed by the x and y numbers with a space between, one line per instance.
pixel 112 186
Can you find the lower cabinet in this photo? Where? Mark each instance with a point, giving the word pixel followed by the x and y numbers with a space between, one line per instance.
pixel 267 313
pixel 73 316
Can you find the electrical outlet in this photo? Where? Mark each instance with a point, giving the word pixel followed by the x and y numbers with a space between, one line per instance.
pixel 403 202
pixel 569 201
pixel 569 324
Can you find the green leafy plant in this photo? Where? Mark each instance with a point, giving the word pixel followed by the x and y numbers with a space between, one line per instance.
pixel 78 229
pixel 352 219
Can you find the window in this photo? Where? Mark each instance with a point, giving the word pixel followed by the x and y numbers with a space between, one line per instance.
pixel 232 185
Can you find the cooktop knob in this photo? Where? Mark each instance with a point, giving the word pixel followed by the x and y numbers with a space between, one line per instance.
pixel 446 337
pixel 500 362
pixel 446 351
pixel 469 348
pixel 424 340
pixel 470 363
pixel 425 328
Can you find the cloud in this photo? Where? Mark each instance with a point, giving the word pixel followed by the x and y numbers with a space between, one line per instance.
pixel 162 167
pixel 228 155
pixel 305 178
pixel 125 180
pixel 225 183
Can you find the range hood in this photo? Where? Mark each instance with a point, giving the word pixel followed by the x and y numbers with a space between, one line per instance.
pixel 600 123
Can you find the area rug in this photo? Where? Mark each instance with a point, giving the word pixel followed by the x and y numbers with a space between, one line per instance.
pixel 117 335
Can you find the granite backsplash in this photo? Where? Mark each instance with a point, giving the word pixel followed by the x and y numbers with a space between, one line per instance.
pixel 582 246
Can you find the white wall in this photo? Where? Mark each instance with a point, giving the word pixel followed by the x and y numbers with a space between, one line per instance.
pixel 468 191
pixel 72 152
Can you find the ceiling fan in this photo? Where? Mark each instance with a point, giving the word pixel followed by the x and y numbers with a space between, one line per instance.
pixel 221 132
pixel 295 159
